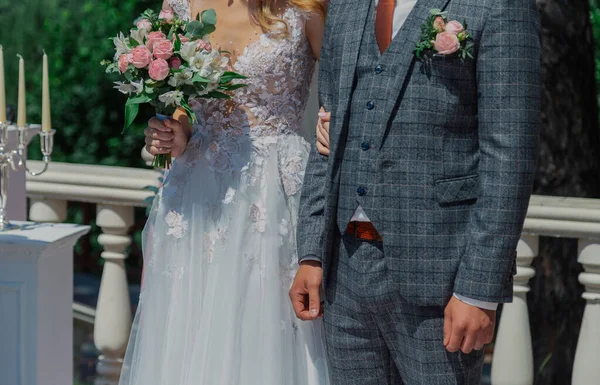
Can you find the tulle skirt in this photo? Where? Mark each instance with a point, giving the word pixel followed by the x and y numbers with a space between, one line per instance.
pixel 220 256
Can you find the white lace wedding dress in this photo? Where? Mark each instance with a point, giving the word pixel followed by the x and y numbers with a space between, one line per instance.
pixel 219 245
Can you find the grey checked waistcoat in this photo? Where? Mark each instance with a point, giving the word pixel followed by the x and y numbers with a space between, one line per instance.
pixel 440 154
pixel 366 126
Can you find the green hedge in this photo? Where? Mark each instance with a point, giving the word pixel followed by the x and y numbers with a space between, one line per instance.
pixel 86 111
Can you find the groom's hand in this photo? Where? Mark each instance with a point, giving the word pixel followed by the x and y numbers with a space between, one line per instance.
pixel 323 132
pixel 467 327
pixel 305 291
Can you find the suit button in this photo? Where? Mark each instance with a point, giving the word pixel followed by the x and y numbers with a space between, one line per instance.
pixel 378 69
pixel 365 146
pixel 370 105
pixel 361 191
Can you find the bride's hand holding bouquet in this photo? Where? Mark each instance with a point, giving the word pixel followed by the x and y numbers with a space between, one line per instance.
pixel 166 61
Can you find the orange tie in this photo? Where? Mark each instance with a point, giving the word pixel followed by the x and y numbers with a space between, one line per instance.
pixel 383 23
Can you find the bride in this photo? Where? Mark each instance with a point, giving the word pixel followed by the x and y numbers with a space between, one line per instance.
pixel 219 245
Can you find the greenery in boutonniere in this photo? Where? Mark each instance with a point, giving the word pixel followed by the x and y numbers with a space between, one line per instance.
pixel 439 36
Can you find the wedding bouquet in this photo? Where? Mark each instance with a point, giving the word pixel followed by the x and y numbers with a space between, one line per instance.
pixel 166 61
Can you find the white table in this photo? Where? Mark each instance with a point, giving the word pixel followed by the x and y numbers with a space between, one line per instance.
pixel 36 296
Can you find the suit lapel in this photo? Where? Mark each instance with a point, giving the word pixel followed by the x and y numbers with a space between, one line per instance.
pixel 356 12
pixel 402 48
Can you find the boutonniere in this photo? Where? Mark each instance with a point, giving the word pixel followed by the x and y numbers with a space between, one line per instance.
pixel 443 37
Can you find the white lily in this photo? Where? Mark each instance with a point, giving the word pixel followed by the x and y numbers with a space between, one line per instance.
pixel 121 45
pixel 139 35
pixel 188 50
pixel 130 88
pixel 171 98
pixel 183 77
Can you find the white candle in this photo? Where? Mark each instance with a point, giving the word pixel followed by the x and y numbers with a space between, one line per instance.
pixel 2 89
pixel 21 108
pixel 46 123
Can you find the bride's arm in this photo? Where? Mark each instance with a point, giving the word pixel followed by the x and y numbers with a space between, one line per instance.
pixel 315 26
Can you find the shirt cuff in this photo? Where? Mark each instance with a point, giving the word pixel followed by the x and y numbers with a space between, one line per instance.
pixel 309 258
pixel 477 303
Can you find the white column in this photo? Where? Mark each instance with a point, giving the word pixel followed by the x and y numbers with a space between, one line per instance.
pixel 36 299
pixel 586 369
pixel 48 210
pixel 113 312
pixel 513 354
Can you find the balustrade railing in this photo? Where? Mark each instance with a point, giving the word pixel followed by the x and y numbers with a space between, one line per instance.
pixel 116 191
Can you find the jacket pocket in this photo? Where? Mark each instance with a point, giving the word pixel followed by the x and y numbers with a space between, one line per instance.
pixel 450 191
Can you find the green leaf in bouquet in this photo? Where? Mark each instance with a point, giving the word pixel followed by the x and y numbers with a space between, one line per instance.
pixel 209 17
pixel 195 28
pixel 232 87
pixel 177 45
pixel 199 79
pixel 134 43
pixel 171 33
pixel 128 75
pixel 208 29
pixel 188 110
pixel 131 111
pixel 229 76
pixel 217 95
pixel 132 107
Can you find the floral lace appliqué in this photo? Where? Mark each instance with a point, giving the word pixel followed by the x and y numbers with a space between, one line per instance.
pixel 177 225
pixel 258 215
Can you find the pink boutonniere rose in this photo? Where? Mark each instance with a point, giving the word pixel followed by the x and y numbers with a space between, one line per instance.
pixel 444 37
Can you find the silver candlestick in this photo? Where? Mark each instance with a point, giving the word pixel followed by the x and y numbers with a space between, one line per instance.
pixel 16 160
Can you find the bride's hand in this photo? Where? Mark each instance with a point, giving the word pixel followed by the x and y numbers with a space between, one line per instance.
pixel 323 132
pixel 168 136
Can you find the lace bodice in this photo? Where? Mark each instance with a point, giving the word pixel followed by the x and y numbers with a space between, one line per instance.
pixel 279 72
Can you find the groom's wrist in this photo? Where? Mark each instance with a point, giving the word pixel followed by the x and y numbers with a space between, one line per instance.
pixel 477 303
pixel 309 259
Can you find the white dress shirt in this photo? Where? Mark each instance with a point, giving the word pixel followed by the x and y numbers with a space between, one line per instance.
pixel 401 12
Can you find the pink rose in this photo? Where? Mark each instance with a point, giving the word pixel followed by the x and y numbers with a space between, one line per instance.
pixel 182 39
pixel 163 49
pixel 439 24
pixel 124 61
pixel 153 38
pixel 166 14
pixel 141 56
pixel 144 24
pixel 159 69
pixel 202 45
pixel 454 27
pixel 446 43
pixel 175 62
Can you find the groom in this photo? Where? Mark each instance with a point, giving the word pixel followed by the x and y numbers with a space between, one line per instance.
pixel 411 224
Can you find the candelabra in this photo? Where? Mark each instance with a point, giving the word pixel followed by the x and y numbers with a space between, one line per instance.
pixel 15 160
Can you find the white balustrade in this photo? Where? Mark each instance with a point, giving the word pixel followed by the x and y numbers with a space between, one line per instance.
pixel 586 370
pixel 113 311
pixel 513 354
pixel 117 190
pixel 48 210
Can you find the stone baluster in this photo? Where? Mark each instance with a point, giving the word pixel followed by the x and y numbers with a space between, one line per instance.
pixel 48 210
pixel 513 353
pixel 113 312
pixel 586 369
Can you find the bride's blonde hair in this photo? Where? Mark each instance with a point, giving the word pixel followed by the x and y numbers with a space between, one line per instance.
pixel 266 14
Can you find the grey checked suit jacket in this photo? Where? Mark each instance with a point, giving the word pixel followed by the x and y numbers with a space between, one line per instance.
pixel 457 160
